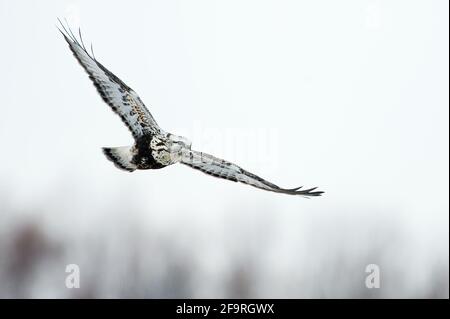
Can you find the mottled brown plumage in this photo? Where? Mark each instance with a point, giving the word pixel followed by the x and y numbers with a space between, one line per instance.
pixel 153 147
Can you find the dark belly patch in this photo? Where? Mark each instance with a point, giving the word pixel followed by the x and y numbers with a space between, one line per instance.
pixel 143 158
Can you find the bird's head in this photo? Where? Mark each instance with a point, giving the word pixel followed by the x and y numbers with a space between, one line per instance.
pixel 180 142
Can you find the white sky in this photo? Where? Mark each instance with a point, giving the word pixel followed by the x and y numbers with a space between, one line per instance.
pixel 350 96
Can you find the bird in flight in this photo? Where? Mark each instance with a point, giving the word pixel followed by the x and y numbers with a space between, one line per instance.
pixel 154 148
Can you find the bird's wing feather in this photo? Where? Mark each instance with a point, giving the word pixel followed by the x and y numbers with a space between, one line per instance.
pixel 223 169
pixel 120 97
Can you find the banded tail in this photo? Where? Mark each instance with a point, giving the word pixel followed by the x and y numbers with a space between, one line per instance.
pixel 121 157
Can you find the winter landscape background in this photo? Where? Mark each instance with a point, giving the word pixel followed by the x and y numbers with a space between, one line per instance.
pixel 350 96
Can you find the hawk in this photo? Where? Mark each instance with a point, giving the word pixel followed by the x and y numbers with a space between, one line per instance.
pixel 154 148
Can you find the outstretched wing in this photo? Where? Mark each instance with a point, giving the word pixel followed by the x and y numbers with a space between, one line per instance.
pixel 220 168
pixel 120 97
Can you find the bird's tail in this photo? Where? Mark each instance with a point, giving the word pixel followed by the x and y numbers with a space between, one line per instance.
pixel 121 157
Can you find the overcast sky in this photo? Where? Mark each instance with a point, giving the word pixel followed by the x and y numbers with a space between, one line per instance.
pixel 350 96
